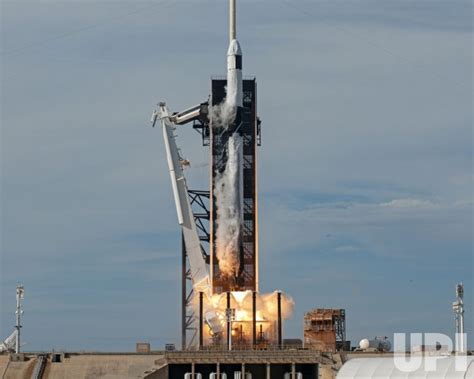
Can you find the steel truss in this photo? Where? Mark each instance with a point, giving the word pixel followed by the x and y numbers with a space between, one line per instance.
pixel 200 203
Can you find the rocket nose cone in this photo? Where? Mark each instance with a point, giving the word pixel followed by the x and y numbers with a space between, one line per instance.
pixel 234 48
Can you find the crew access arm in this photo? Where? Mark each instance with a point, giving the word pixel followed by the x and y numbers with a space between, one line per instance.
pixel 199 272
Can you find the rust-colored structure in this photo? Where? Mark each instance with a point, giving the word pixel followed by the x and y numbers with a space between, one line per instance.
pixel 325 329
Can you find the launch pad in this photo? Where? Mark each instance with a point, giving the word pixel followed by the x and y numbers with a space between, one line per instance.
pixel 229 328
pixel 255 364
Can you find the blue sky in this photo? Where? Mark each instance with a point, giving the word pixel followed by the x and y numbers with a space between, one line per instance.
pixel 365 171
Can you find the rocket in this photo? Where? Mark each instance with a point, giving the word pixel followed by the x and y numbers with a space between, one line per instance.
pixel 229 196
pixel 234 100
pixel 234 97
pixel 234 63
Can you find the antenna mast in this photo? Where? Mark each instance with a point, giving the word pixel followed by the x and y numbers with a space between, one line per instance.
pixel 20 295
pixel 458 309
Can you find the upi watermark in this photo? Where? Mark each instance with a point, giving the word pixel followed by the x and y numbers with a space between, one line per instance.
pixel 426 349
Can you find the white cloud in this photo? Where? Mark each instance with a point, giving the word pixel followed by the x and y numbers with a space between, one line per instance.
pixel 414 204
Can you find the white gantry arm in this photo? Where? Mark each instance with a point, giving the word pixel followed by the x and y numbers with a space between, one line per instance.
pixel 197 264
pixel 9 344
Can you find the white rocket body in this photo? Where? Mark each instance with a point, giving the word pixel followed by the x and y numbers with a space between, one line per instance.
pixel 229 189
pixel 234 75
pixel 234 100
pixel 234 62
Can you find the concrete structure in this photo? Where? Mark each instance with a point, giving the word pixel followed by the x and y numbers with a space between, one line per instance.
pixel 170 365
pixel 261 364
pixel 164 365
pixel 82 366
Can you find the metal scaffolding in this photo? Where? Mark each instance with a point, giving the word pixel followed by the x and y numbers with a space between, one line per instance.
pixel 325 329
pixel 199 201
pixel 251 136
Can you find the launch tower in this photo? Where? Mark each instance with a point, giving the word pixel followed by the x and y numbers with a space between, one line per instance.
pixel 220 226
pixel 247 275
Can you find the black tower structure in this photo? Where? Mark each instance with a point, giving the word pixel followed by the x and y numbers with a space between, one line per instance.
pixel 247 278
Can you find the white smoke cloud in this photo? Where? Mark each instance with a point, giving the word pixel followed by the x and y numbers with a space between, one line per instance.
pixel 228 211
pixel 227 192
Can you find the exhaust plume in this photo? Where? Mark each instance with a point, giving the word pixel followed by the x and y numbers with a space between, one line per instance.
pixel 227 192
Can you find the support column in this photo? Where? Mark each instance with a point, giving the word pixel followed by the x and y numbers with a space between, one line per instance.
pixel 201 323
pixel 293 371
pixel 183 293
pixel 19 296
pixel 243 370
pixel 193 371
pixel 254 319
pixel 218 370
pixel 279 321
pixel 268 371
pixel 229 323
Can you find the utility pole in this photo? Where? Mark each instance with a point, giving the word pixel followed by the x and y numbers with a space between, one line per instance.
pixel 458 309
pixel 230 317
pixel 20 295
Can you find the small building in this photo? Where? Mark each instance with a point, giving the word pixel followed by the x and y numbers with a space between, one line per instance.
pixel 325 329
pixel 143 347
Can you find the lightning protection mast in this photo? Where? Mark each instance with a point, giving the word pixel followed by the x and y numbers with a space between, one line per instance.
pixel 458 309
pixel 20 295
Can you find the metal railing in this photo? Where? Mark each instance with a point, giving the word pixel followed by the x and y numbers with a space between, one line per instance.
pixel 243 351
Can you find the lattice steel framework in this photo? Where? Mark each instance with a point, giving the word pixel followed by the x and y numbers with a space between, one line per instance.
pixel 199 201
pixel 204 211
pixel 340 327
pixel 248 274
pixel 325 329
